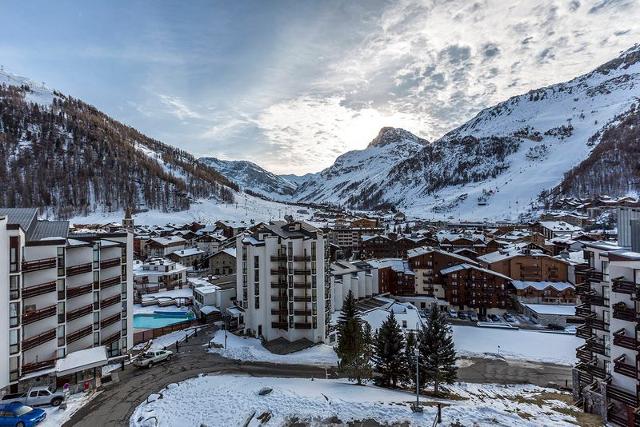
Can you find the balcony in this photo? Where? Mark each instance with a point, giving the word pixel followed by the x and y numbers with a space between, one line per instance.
pixel 595 346
pixel 111 338
pixel 79 290
pixel 110 301
pixel 279 312
pixel 622 312
pixel 302 272
pixel 623 368
pixel 278 285
pixel 583 331
pixel 302 325
pixel 594 299
pixel 110 320
pixel 582 288
pixel 301 285
pixel 302 312
pixel 279 298
pixel 622 286
pixel 622 340
pixel 584 310
pixel 111 262
pixel 622 395
pixel 596 371
pixel 43 313
pixel 278 271
pixel 584 376
pixel 302 258
pixel 597 324
pixel 37 340
pixel 41 289
pixel 302 299
pixel 79 334
pixel 82 311
pixel 280 325
pixel 79 269
pixel 38 264
pixel 595 276
pixel 279 258
pixel 112 281
pixel 28 368
pixel 618 416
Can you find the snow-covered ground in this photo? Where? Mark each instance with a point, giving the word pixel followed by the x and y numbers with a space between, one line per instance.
pixel 245 208
pixel 518 344
pixel 229 400
pixel 169 339
pixel 57 416
pixel 251 349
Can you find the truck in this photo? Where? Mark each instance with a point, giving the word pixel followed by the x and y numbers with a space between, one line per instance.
pixel 151 357
pixel 36 396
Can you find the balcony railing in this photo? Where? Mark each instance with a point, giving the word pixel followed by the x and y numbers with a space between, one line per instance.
pixel 43 313
pixel 583 331
pixel 582 288
pixel 278 271
pixel 279 258
pixel 111 262
pixel 302 258
pixel 623 286
pixel 597 324
pixel 622 312
pixel 302 312
pixel 41 289
pixel 623 368
pixel 112 281
pixel 110 320
pixel 302 299
pixel 111 338
pixel 79 269
pixel 617 416
pixel 584 310
pixel 622 340
pixel 302 272
pixel 595 276
pixel 622 395
pixel 39 339
pixel 302 325
pixel 280 325
pixel 38 264
pixel 278 298
pixel 596 347
pixel 79 290
pixel 594 299
pixel 110 301
pixel 596 371
pixel 82 311
pixel 584 354
pixel 27 368
pixel 301 285
pixel 278 285
pixel 279 312
pixel 79 334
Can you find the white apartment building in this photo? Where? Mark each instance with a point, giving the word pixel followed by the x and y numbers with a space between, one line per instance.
pixel 159 274
pixel 63 293
pixel 283 282
pixel 358 277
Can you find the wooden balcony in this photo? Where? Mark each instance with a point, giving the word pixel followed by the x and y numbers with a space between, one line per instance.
pixel 621 395
pixel 79 334
pixel 623 286
pixel 39 339
pixel 279 312
pixel 110 320
pixel 279 298
pixel 594 299
pixel 79 290
pixel 584 310
pixel 597 324
pixel 302 312
pixel 279 258
pixel 28 368
pixel 595 276
pixel 41 289
pixel 79 269
pixel 301 299
pixel 43 313
pixel 280 325
pixel 111 338
pixel 111 262
pixel 112 281
pixel 78 313
pixel 302 272
pixel 618 416
pixel 583 288
pixel 596 346
pixel 278 271
pixel 302 258
pixel 596 371
pixel 302 325
pixel 110 301
pixel 623 368
pixel 584 354
pixel 622 340
pixel 583 331
pixel 278 285
pixel 38 264
pixel 622 312
pixel 584 376
pixel 301 285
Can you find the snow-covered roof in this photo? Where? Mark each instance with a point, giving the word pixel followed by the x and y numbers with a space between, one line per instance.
pixel 208 309
pixel 465 266
pixel 81 360
pixel 396 264
pixel 560 226
pixel 555 309
pixel 412 253
pixel 187 252
pixel 169 240
pixel 541 286
pixel 403 311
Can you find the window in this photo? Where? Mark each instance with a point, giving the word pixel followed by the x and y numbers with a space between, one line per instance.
pixel 96 320
pixel 14 314
pixel 61 312
pixel 61 287
pixel 14 254
pixel 61 261
pixel 61 353
pixel 96 338
pixel 124 326
pixel 60 335
pixel 14 341
pixel 96 256
pixel 14 287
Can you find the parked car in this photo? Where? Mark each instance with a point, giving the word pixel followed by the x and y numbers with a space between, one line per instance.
pixel 462 315
pixel 482 317
pixel 20 415
pixel 473 316
pixel 494 318
pixel 453 313
pixel 36 396
pixel 151 357
pixel 509 318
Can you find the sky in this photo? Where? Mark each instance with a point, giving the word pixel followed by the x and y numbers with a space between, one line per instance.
pixel 291 85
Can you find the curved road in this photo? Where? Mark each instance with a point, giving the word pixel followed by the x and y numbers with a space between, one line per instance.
pixel 116 403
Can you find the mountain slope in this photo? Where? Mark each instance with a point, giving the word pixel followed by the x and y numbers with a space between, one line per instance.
pixel 252 178
pixel 497 164
pixel 355 177
pixel 67 158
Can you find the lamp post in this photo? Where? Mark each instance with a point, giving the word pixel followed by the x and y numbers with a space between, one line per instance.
pixel 417 407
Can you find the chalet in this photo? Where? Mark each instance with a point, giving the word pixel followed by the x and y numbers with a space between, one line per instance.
pixel 526 265
pixel 427 262
pixel 222 262
pixel 162 246
pixel 158 274
pixel 189 257
pixel 551 229
pixel 544 292
pixel 394 276
pixel 209 243
pixel 230 228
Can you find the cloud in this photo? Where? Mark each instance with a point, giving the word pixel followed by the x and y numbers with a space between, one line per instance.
pixel 179 108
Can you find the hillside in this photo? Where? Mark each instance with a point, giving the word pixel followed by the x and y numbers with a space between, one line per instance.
pixel 67 158
pixel 252 178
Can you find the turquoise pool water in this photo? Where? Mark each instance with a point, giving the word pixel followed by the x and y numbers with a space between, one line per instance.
pixel 158 319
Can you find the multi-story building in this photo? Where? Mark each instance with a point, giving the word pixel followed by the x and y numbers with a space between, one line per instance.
pixel 606 378
pixel 159 274
pixel 63 293
pixel 283 282
pixel 427 262
pixel 527 265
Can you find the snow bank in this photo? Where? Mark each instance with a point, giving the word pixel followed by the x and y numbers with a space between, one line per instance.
pixel 251 349
pixel 57 416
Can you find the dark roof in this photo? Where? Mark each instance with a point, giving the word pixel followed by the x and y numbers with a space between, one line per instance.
pixel 46 229
pixel 291 230
pixel 24 217
pixel 34 229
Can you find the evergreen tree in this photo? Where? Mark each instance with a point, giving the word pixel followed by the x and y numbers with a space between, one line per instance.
pixel 388 356
pixel 437 353
pixel 353 348
pixel 410 358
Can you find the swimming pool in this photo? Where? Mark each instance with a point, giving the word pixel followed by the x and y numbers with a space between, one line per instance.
pixel 158 319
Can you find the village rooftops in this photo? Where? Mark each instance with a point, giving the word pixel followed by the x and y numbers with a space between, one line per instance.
pixel 396 264
pixel 412 253
pixel 505 254
pixel 560 226
pixel 603 246
pixel 553 309
pixel 168 241
pixel 284 229
pixel 187 252
pixel 465 266
pixel 541 286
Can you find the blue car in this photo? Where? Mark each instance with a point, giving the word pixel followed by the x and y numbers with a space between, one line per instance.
pixel 17 414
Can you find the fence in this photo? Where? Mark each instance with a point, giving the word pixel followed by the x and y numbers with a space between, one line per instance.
pixel 144 336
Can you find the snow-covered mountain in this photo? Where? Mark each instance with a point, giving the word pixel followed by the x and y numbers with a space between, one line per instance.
pixel 497 164
pixel 252 178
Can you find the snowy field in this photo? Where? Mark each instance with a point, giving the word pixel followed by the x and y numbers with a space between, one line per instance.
pixel 245 208
pixel 250 349
pixel 518 344
pixel 229 400
pixel 57 416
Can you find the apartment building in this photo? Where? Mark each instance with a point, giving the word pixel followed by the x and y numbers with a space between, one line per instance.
pixel 526 265
pixel 283 282
pixel 63 293
pixel 427 262
pixel 606 377
pixel 158 274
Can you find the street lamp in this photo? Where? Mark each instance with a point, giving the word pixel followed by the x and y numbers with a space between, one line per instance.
pixel 417 407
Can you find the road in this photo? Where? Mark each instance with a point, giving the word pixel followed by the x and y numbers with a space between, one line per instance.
pixel 116 403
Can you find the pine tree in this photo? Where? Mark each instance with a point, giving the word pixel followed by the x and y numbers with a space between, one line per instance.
pixel 437 353
pixel 353 347
pixel 410 358
pixel 388 356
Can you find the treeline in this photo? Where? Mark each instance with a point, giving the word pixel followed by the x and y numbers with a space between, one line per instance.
pixel 72 159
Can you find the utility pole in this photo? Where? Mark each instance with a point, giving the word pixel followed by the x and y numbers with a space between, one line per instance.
pixel 417 407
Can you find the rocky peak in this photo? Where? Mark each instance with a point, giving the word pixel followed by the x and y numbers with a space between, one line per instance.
pixel 390 135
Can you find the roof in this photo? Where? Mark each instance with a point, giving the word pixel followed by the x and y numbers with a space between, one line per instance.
pixel 81 360
pixel 411 253
pixel 558 226
pixel 396 264
pixel 465 266
pixel 169 240
pixel 557 309
pixel 23 217
pixel 187 252
pixel 541 286
pixel 27 220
